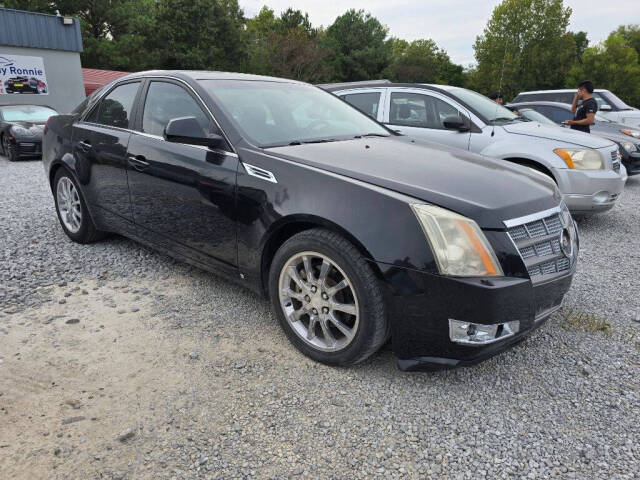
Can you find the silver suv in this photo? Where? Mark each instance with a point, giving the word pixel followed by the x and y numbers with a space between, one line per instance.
pixel 586 168
pixel 609 105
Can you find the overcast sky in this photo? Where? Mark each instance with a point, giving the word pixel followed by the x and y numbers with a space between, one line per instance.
pixel 453 24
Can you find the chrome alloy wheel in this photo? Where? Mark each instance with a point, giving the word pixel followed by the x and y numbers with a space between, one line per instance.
pixel 319 301
pixel 69 206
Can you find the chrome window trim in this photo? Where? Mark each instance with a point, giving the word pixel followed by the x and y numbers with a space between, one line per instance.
pixel 514 222
pixel 161 77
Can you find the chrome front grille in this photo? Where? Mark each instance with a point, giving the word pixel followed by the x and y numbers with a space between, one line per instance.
pixel 615 161
pixel 538 241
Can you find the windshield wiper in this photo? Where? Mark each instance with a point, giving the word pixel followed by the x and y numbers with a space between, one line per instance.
pixel 372 135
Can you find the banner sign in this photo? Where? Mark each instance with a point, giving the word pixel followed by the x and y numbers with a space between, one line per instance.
pixel 20 74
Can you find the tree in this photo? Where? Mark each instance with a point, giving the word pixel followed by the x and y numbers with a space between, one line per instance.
pixel 613 65
pixel 358 46
pixel 581 41
pixel 200 34
pixel 631 35
pixel 422 61
pixel 286 46
pixel 525 45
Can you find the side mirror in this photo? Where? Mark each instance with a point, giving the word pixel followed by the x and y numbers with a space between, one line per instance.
pixel 456 122
pixel 188 130
pixel 605 107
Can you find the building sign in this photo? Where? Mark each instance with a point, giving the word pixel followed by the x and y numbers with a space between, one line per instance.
pixel 20 74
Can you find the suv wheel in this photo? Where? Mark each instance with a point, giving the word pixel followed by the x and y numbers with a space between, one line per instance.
pixel 327 298
pixel 72 209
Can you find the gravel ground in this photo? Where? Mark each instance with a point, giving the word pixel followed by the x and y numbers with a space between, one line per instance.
pixel 117 362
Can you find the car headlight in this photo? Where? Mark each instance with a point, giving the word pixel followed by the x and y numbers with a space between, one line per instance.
pixel 459 246
pixel 631 133
pixel 629 147
pixel 580 158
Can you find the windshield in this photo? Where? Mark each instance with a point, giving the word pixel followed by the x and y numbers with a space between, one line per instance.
pixel 27 113
pixel 278 113
pixel 614 101
pixel 534 116
pixel 488 110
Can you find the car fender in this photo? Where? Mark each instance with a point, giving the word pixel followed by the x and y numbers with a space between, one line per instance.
pixel 378 221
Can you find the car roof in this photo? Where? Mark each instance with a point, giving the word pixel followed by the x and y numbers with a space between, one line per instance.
pixel 545 103
pixel 205 75
pixel 332 87
pixel 561 90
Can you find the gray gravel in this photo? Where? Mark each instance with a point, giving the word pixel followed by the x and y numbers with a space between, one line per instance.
pixel 563 404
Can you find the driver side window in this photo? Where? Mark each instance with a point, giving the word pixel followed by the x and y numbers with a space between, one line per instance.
pixel 166 101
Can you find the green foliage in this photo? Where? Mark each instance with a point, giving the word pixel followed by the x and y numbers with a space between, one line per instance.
pixel 524 46
pixel 613 65
pixel 199 34
pixel 422 61
pixel 358 46
pixel 631 35
pixel 286 46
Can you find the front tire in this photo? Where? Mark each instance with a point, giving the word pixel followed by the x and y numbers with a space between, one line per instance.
pixel 72 210
pixel 327 298
pixel 10 153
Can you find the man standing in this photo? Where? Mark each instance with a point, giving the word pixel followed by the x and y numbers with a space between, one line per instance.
pixel 585 113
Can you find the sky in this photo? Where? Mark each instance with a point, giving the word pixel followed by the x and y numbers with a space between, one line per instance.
pixel 453 24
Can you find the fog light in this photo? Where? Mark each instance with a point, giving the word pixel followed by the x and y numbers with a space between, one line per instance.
pixel 469 333
pixel 601 197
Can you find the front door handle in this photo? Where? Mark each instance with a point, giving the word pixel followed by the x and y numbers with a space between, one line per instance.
pixel 85 145
pixel 139 162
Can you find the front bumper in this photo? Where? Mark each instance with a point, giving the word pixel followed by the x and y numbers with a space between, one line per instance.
pixel 27 148
pixel 590 191
pixel 421 304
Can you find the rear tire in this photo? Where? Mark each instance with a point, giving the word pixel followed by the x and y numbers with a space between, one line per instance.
pixel 327 298
pixel 72 209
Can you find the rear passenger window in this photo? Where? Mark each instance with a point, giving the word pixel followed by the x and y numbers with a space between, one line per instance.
pixel 115 109
pixel 166 101
pixel 365 102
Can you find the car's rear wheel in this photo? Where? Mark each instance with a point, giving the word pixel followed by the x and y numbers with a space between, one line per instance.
pixel 72 209
pixel 327 298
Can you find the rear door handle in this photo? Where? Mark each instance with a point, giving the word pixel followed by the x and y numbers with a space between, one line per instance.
pixel 139 162
pixel 85 145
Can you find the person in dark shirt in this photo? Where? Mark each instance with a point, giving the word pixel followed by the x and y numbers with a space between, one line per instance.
pixel 585 113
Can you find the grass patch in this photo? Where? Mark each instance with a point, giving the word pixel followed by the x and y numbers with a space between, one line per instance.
pixel 579 321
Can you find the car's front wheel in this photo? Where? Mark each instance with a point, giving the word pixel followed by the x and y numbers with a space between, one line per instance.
pixel 9 152
pixel 327 298
pixel 72 209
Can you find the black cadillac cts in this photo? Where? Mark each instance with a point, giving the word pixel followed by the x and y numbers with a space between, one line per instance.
pixel 355 233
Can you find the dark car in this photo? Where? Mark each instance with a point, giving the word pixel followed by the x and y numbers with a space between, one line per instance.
pixel 355 233
pixel 626 137
pixel 24 85
pixel 21 129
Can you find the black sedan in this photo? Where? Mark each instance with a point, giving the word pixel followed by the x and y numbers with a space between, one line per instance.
pixel 627 138
pixel 21 128
pixel 355 233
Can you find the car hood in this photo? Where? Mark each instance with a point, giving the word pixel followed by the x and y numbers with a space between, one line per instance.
pixel 27 129
pixel 484 189
pixel 535 129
